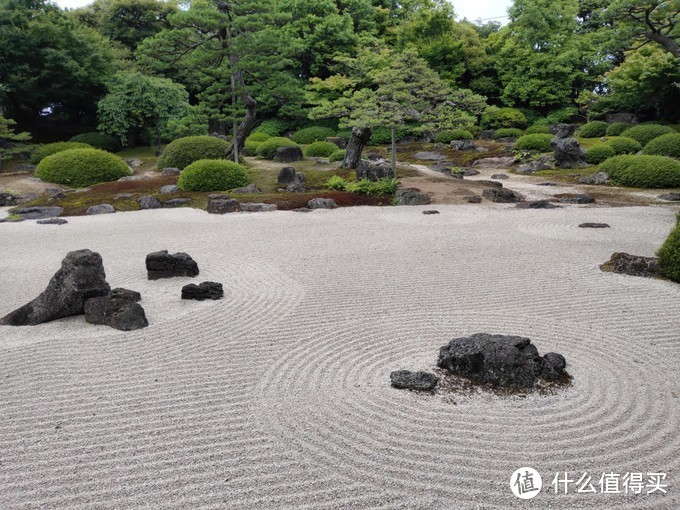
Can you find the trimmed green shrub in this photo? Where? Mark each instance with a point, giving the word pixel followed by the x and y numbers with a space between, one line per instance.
pixel 184 151
pixel 617 128
pixel 99 141
pixel 624 145
pixel 475 130
pixel 537 142
pixel 337 155
pixel 453 134
pixel 669 254
pixel 598 153
pixel 594 129
pixel 383 135
pixel 258 137
pixel 496 118
pixel 643 171
pixel 664 145
pixel 507 133
pixel 267 149
pixel 81 167
pixel 53 148
pixel 273 127
pixel 320 149
pixel 212 175
pixel 538 129
pixel 645 133
pixel 345 135
pixel 253 142
pixel 336 183
pixel 312 134
pixel 385 186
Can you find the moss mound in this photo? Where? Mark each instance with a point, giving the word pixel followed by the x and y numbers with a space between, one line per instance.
pixel 594 129
pixel 617 128
pixel 643 171
pixel 669 254
pixel 267 149
pixel 536 142
pixel 81 167
pixel 53 148
pixel 624 145
pixel 453 134
pixel 599 153
pixel 213 175
pixel 645 133
pixel 320 149
pixel 312 134
pixel 664 145
pixel 337 155
pixel 184 151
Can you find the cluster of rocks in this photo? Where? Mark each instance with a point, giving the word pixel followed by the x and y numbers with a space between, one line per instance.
pixel 412 197
pixel 224 204
pixel 374 170
pixel 292 180
pixel 79 287
pixel 497 360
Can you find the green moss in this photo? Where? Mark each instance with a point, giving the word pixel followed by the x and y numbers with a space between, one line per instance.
pixel 645 133
pixel 599 153
pixel 595 129
pixel 537 142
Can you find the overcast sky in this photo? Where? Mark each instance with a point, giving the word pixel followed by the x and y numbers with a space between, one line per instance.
pixel 470 9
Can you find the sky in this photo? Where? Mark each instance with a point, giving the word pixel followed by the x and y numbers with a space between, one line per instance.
pixel 470 9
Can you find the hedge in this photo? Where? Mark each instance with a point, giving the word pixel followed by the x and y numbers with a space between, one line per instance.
pixel 453 134
pixel 320 149
pixel 312 134
pixel 267 149
pixel 537 142
pixel 184 151
pixel 212 175
pixel 664 145
pixel 99 141
pixel 594 129
pixel 53 148
pixel 537 129
pixel 507 133
pixel 645 133
pixel 643 171
pixel 81 167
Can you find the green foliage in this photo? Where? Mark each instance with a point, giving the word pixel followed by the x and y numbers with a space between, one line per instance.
pixel 312 134
pixel 645 133
pixel 267 149
pixel 81 167
pixel 258 136
pixel 336 183
pixel 385 186
pixel 11 142
pixel 599 153
pixel 624 145
pixel 507 133
pixel 616 128
pixel 337 155
pixel 669 254
pixel 320 149
pixel 497 118
pixel 52 148
pixel 184 151
pixel 98 141
pixel 453 134
pixel 383 135
pixel 565 114
pixel 535 142
pixel 594 129
pixel 345 135
pixel 273 127
pixel 643 171
pixel 537 129
pixel 664 145
pixel 212 175
pixel 474 130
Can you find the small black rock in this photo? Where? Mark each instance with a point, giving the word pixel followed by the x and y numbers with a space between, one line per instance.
pixel 537 204
pixel 593 225
pixel 52 221
pixel 205 290
pixel 431 211
pixel 419 381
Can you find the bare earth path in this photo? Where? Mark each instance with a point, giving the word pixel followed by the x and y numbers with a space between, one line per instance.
pixel 278 396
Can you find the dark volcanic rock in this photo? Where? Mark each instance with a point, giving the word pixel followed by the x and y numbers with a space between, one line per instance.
pixel 671 197
pixel 257 207
pixel 469 172
pixel 322 203
pixel 562 130
pixel 429 156
pixel 80 278
pixel 500 360
pixel 38 213
pixel 288 154
pixel 168 189
pixel 504 196
pixel 297 185
pixel 373 171
pixel 431 211
pixel 52 221
pixel 502 162
pixel 568 153
pixel 205 290
pixel 578 199
pixel 286 175
pixel 161 264
pixel 222 205
pixel 543 162
pixel 593 225
pixel 411 197
pixel 419 381
pixel 117 313
pixel 537 204
pixel 176 202
pixel 547 184
pixel 500 176
pixel 7 199
pixel 125 294
pixel 170 171
pixel 633 265
pixel 149 202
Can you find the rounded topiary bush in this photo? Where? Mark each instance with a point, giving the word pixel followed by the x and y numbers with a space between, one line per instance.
pixel 184 151
pixel 496 118
pixel 537 142
pixel 537 129
pixel 254 141
pixel 258 137
pixel 337 155
pixel 53 148
pixel 267 149
pixel 594 129
pixel 345 135
pixel 624 145
pixel 273 127
pixel 320 149
pixel 453 134
pixel 312 134
pixel 507 133
pixel 643 171
pixel 99 141
pixel 616 128
pixel 599 153
pixel 212 175
pixel 81 167
pixel 664 145
pixel 645 133
pixel 669 254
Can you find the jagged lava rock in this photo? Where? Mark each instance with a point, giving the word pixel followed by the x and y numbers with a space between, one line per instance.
pixel 418 381
pixel 117 313
pixel 161 264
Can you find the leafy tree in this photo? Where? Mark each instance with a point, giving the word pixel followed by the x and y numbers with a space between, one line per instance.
pixel 10 142
pixel 137 102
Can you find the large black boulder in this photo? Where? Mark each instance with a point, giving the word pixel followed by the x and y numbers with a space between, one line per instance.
pixel 117 313
pixel 223 205
pixel 286 175
pixel 419 381
pixel 373 171
pixel 568 153
pixel 80 278
pixel 161 264
pixel 205 290
pixel 500 360
pixel 288 154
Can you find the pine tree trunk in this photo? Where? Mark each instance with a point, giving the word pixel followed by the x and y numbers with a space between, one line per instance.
pixel 355 147
pixel 247 124
pixel 394 151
